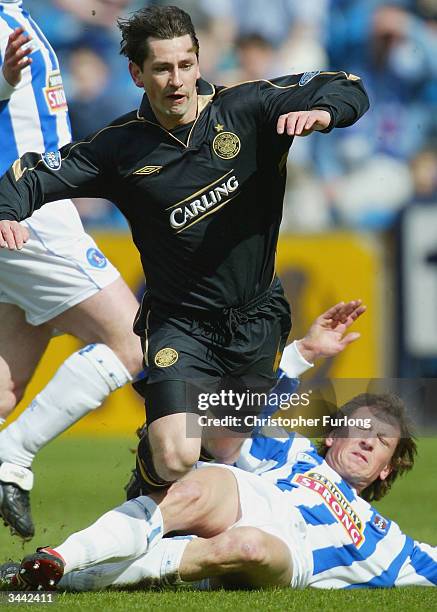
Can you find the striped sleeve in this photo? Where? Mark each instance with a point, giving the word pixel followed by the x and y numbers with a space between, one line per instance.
pixel 33 115
pixel 420 569
pixel 263 453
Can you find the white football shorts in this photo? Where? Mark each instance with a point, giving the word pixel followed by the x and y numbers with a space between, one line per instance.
pixel 59 267
pixel 268 508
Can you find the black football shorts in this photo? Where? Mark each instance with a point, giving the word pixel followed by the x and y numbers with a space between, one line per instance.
pixel 235 351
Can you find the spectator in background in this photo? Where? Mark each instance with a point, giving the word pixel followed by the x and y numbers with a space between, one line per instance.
pixel 366 174
pixel 256 59
pixel 424 174
pixel 72 24
pixel 274 20
pixel 68 21
pixel 92 106
pixel 296 30
pixel 91 103
pixel 343 180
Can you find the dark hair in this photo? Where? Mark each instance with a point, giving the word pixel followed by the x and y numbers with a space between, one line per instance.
pixel 390 408
pixel 162 22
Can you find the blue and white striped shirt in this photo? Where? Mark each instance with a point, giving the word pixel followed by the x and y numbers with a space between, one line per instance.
pixel 352 545
pixel 33 115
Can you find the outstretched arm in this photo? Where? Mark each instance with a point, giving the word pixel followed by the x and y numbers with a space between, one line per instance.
pixel 320 101
pixel 326 336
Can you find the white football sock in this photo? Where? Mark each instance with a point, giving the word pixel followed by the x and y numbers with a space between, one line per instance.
pixel 80 385
pixel 123 533
pixel 159 567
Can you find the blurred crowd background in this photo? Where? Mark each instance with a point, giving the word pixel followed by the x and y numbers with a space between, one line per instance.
pixel 357 178
pixel 350 194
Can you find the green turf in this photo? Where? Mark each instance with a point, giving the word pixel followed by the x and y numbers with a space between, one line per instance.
pixel 79 478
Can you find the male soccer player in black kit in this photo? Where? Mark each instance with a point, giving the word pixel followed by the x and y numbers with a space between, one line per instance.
pixel 199 172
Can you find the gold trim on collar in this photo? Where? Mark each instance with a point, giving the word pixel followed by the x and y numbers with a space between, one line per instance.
pixel 204 100
pixel 202 103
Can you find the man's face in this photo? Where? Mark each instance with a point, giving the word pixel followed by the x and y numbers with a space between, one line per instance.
pixel 362 455
pixel 169 76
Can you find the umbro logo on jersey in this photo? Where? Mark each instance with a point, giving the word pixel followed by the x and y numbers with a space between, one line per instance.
pixel 148 170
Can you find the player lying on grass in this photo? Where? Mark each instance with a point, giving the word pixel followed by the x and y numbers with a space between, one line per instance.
pixel 303 518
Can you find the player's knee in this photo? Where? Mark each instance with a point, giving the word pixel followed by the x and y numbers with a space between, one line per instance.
pixel 243 547
pixel 11 393
pixel 184 500
pixel 188 492
pixel 7 404
pixel 224 450
pixel 250 545
pixel 172 463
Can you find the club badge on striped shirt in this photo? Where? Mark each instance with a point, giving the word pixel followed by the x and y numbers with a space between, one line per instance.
pixel 52 160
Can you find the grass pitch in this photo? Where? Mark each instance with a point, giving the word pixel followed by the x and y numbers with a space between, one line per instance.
pixel 77 479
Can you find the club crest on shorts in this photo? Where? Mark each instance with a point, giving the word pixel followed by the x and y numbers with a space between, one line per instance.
pixel 166 357
pixel 307 76
pixel 52 160
pixel 226 145
pixel 96 258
